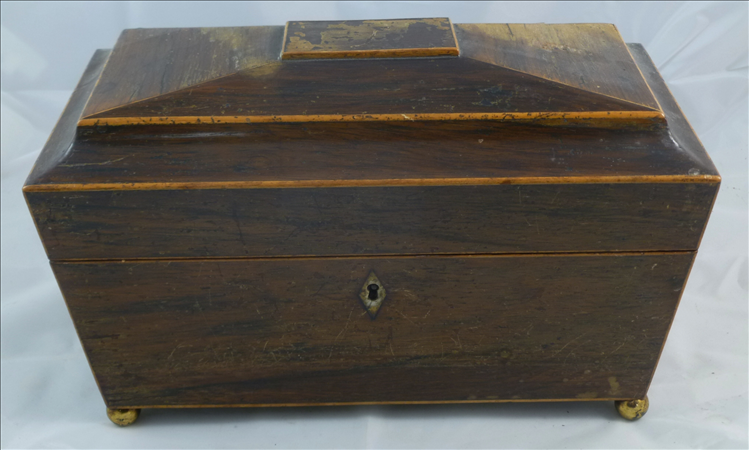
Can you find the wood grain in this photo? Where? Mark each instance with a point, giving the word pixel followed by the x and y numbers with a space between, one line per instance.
pixel 679 128
pixel 588 56
pixel 365 151
pixel 63 134
pixel 244 332
pixel 235 75
pixel 369 87
pixel 293 331
pixel 148 62
pixel 172 169
pixel 272 152
pixel 369 39
pixel 371 220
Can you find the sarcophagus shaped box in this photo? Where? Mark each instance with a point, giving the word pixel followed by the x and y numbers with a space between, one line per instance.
pixel 398 211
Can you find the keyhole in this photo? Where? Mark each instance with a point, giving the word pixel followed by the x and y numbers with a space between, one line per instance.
pixel 373 291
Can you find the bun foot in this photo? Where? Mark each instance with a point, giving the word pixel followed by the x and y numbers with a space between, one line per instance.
pixel 123 417
pixel 632 409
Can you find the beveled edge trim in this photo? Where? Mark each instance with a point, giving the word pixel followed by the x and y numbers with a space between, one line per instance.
pixel 639 70
pixel 279 184
pixel 405 402
pixel 455 36
pixel 458 255
pixel 283 40
pixel 504 116
pixel 383 53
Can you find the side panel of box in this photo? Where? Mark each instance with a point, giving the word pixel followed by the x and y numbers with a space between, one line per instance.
pixel 371 220
pixel 293 331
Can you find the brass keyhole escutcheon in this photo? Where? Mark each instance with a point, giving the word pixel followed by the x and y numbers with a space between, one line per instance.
pixel 372 295
pixel 373 291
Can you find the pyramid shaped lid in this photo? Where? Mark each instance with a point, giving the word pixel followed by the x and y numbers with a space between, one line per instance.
pixel 379 70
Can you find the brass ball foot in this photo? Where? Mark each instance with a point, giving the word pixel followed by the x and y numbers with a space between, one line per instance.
pixel 632 409
pixel 123 417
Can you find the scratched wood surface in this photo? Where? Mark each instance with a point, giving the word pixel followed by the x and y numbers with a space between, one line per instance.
pixel 293 331
pixel 148 62
pixel 236 75
pixel 369 39
pixel 588 56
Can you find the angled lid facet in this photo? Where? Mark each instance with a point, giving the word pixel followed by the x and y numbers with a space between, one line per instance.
pixel 587 56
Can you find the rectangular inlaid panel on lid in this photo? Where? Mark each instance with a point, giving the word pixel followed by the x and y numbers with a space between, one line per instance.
pixel 370 39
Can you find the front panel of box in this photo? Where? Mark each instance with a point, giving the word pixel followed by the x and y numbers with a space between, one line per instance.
pixel 297 331
pixel 197 223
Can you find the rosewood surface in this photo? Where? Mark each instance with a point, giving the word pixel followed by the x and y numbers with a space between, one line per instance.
pixel 590 56
pixel 181 191
pixel 179 58
pixel 236 75
pixel 419 150
pixel 291 331
pixel 371 220
pixel 369 87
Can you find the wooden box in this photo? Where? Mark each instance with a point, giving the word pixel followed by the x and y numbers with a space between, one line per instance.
pixel 396 211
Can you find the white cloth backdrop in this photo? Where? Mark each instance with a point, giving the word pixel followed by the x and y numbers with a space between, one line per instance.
pixel 699 394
